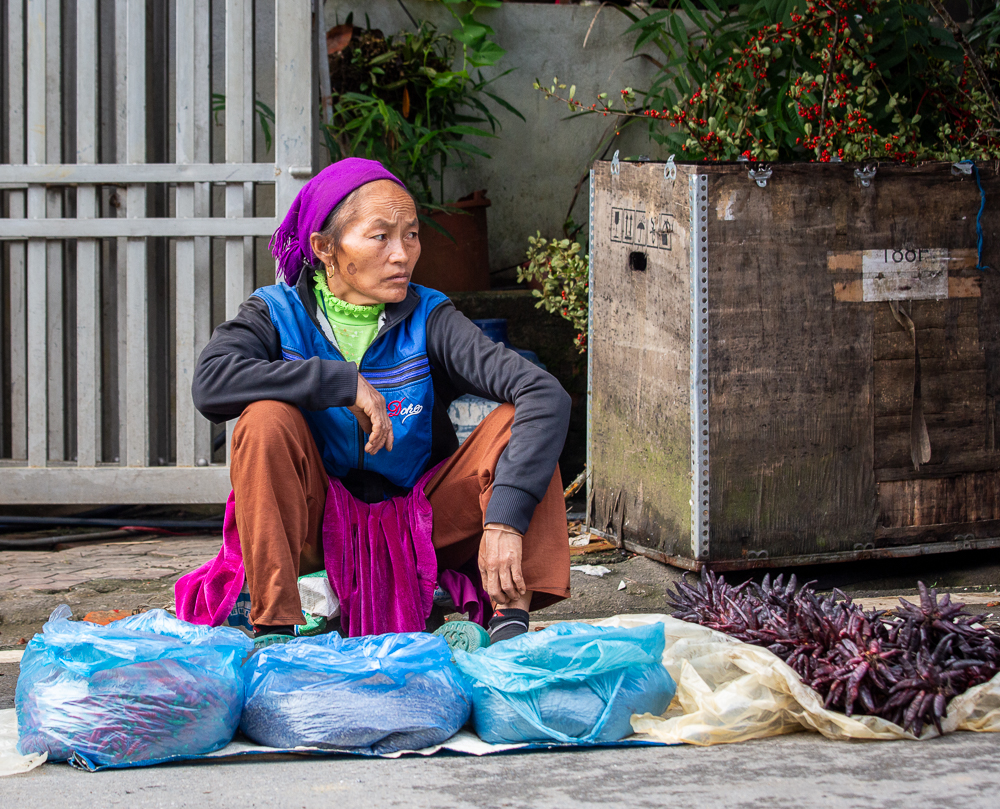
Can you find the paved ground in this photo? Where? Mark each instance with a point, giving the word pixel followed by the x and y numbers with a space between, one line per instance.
pixel 796 771
pixel 790 772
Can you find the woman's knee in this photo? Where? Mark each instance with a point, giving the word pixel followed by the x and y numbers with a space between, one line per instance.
pixel 267 422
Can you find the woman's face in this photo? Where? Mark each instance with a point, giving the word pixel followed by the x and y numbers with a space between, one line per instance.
pixel 378 249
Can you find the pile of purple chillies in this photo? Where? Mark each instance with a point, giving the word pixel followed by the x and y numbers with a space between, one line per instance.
pixel 902 665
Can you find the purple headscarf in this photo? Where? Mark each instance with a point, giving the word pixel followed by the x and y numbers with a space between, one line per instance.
pixel 311 207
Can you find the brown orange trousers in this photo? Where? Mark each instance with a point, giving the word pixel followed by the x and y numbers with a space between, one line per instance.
pixel 280 488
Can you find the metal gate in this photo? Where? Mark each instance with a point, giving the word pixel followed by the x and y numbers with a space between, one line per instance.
pixel 138 192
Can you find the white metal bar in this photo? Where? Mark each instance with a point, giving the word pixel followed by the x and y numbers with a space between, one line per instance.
pixel 138 226
pixel 293 92
pixel 202 311
pixel 17 201
pixel 250 117
pixel 184 341
pixel 113 484
pixel 121 246
pixel 236 20
pixel 37 282
pixel 323 63
pixel 137 354
pixel 115 174
pixel 54 249
pixel 88 283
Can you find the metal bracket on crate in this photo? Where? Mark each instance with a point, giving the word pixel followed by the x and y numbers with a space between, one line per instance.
pixel 962 168
pixel 760 175
pixel 865 175
pixel 670 169
pixel 698 390
pixel 616 166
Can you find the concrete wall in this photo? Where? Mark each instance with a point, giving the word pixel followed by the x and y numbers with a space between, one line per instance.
pixel 535 164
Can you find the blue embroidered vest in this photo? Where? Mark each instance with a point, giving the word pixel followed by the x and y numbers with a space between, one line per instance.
pixel 396 365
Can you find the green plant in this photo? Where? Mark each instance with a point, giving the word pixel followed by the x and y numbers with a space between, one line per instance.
pixel 561 269
pixel 399 100
pixel 842 79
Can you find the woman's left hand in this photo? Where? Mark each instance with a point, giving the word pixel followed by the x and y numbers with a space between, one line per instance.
pixel 500 563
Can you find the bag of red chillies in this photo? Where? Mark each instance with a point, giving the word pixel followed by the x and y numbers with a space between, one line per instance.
pixel 138 691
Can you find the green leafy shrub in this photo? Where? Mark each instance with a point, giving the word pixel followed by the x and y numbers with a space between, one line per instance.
pixel 563 273
pixel 840 79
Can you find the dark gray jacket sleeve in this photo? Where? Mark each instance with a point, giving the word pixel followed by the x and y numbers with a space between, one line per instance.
pixel 242 364
pixel 475 364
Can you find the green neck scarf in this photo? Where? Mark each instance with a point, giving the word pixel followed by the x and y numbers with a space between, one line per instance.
pixel 354 326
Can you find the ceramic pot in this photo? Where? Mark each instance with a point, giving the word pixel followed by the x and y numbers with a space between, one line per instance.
pixel 462 265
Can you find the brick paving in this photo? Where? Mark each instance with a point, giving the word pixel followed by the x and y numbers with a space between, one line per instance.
pixel 140 560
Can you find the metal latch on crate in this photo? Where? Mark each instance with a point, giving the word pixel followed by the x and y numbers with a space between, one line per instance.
pixel 616 166
pixel 865 175
pixel 962 168
pixel 760 175
pixel 670 169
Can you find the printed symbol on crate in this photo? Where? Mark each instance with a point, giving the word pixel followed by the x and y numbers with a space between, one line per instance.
pixel 640 229
pixel 635 227
pixel 396 408
pixel 664 232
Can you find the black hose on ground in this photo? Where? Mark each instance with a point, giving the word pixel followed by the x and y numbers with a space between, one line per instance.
pixel 7 524
pixel 48 543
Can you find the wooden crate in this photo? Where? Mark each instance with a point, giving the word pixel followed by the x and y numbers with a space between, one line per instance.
pixel 751 389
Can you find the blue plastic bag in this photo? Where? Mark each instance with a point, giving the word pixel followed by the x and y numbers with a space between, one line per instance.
pixel 377 693
pixel 139 690
pixel 572 683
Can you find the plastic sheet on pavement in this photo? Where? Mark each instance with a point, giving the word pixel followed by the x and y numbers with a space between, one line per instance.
pixel 729 691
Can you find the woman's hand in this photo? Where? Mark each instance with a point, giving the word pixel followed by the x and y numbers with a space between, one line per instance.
pixel 500 563
pixel 369 410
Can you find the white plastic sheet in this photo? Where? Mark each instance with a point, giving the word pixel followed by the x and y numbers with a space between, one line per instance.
pixel 728 691
pixel 12 762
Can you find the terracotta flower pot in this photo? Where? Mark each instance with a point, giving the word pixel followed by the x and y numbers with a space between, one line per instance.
pixel 462 265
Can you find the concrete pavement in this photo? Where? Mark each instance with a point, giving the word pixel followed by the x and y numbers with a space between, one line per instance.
pixel 803 770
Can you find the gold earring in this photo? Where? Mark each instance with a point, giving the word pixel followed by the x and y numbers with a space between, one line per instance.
pixel 330 269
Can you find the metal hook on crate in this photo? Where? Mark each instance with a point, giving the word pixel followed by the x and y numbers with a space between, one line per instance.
pixel 760 175
pixel 866 175
pixel 616 166
pixel 670 169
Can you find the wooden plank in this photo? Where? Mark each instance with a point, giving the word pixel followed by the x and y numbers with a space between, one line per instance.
pixel 184 340
pixel 236 125
pixel 113 484
pixel 966 498
pixel 88 281
pixel 120 212
pixel 958 287
pixel 294 99
pixel 136 326
pixel 202 311
pixel 639 441
pixel 791 443
pixel 37 277
pixel 113 173
pixel 17 209
pixel 953 391
pixel 54 249
pixel 138 227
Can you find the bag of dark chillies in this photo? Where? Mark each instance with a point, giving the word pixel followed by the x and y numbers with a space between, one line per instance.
pixel 374 694
pixel 570 683
pixel 140 690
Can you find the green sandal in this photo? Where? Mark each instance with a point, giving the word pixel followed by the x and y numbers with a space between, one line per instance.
pixel 465 635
